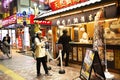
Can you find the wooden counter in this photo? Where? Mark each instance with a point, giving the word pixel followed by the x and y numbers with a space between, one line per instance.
pixel 112 52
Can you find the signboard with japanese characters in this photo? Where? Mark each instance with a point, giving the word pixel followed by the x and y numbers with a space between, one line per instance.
pixel 58 4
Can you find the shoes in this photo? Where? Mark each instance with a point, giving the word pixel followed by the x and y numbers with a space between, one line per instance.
pixel 48 74
pixel 66 65
pixel 38 75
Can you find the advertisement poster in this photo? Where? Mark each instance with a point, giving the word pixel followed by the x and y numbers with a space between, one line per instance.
pixel 87 64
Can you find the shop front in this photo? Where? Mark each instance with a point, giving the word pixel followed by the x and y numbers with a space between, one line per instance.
pixel 81 19
pixel 8 27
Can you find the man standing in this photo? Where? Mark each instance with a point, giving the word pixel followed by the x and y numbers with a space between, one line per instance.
pixel 64 40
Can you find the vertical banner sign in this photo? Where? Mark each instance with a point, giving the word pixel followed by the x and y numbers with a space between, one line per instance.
pixel 19 42
pixel 26 37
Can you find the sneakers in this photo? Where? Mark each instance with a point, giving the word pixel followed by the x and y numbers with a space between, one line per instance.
pixel 38 75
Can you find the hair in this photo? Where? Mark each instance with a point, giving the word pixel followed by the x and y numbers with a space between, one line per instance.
pixel 64 31
pixel 4 39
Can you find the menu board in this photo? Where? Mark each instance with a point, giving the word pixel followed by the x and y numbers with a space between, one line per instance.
pixel 91 60
pixel 87 65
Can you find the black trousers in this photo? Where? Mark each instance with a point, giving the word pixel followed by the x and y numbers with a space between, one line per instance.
pixel 38 64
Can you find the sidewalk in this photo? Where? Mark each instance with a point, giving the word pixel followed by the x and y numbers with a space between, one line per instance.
pixel 25 67
pixel 77 68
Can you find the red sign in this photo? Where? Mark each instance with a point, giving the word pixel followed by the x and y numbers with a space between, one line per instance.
pixel 10 20
pixel 32 19
pixel 44 22
pixel 58 4
pixel 19 42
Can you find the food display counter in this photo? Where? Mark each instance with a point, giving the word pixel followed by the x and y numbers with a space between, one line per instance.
pixel 112 54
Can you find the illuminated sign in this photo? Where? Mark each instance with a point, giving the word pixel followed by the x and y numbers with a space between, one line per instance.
pixel 5 3
pixel 58 4
pixel 43 22
pixel 10 20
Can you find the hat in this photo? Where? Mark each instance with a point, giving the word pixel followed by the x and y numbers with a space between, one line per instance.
pixel 38 32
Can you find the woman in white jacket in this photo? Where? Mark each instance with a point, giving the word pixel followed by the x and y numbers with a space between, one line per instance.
pixel 40 53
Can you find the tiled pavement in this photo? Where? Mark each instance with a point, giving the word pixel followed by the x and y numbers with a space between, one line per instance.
pixel 25 67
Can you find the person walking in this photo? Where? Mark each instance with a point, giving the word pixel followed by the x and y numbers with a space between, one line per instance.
pixel 40 54
pixel 8 38
pixel 6 47
pixel 64 40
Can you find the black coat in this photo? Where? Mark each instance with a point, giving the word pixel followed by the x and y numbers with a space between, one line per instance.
pixel 64 40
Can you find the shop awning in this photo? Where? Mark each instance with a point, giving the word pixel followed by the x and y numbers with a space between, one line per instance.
pixel 66 9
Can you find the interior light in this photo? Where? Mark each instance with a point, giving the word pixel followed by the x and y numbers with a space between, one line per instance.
pixel 61 26
pixel 35 4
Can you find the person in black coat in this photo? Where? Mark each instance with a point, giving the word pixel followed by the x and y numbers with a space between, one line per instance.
pixel 8 38
pixel 64 40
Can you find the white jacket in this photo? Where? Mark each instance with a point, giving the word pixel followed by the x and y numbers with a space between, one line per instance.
pixel 40 48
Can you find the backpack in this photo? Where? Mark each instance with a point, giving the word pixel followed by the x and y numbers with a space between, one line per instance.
pixel 33 44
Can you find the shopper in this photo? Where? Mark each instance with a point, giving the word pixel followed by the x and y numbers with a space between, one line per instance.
pixel 6 47
pixel 64 40
pixel 40 54
pixel 8 38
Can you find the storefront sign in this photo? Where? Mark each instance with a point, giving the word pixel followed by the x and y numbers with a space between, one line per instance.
pixel 43 22
pixel 74 19
pixel 88 16
pixel 58 4
pixel 21 18
pixel 32 19
pixel 10 20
